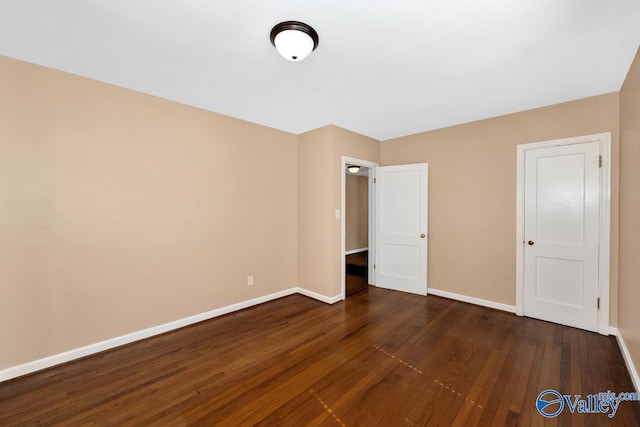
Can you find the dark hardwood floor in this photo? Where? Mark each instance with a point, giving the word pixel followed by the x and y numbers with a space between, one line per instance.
pixel 379 358
pixel 356 273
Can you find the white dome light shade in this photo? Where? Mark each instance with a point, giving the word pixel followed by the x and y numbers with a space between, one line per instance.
pixel 293 45
pixel 294 40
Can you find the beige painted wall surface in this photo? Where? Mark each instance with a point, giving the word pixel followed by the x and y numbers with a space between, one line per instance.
pixel 314 210
pixel 120 211
pixel 629 287
pixel 472 191
pixel 356 212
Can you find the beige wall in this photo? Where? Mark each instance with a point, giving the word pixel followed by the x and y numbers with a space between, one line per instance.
pixel 314 210
pixel 629 286
pixel 356 212
pixel 472 191
pixel 120 211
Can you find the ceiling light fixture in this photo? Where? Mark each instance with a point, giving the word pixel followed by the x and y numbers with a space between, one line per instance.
pixel 294 40
pixel 353 169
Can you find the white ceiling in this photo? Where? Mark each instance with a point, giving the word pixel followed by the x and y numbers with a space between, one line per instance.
pixel 382 68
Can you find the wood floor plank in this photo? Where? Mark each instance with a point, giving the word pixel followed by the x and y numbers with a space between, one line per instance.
pixel 379 358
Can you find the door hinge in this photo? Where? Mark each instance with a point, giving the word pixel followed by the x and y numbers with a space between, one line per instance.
pixel 598 303
pixel 374 180
pixel 374 266
pixel 599 161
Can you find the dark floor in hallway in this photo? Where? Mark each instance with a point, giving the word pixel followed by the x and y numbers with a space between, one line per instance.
pixel 356 272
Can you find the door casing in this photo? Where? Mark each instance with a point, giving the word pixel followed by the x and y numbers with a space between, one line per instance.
pixel 604 140
pixel 371 165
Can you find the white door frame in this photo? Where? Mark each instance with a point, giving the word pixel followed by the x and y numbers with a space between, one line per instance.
pixel 366 164
pixel 604 140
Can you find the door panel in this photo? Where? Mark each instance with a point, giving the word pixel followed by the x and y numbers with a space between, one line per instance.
pixel 400 261
pixel 560 198
pixel 560 281
pixel 401 220
pixel 562 190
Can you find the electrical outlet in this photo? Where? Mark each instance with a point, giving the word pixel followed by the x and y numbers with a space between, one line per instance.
pixel 249 280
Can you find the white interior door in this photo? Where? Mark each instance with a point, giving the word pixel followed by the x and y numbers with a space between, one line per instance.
pixel 561 234
pixel 401 227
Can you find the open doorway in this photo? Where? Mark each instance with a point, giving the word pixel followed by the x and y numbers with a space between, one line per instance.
pixel 356 228
pixel 358 251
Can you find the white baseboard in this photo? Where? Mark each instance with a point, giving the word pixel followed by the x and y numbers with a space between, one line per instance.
pixel 472 300
pixel 319 297
pixel 356 251
pixel 67 356
pixel 627 361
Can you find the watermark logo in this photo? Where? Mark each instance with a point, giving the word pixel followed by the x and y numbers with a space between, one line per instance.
pixel 550 403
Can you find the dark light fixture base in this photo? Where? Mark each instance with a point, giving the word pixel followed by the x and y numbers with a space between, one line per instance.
pixel 297 26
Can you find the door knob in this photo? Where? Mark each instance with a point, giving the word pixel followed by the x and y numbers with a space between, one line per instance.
pixel 530 242
pixel 422 236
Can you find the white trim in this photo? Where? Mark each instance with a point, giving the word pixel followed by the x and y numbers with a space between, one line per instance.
pixel 320 297
pixel 67 356
pixel 343 234
pixel 371 261
pixel 356 251
pixel 472 300
pixel 604 257
pixel 627 360
pixel 605 221
pixel 520 231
